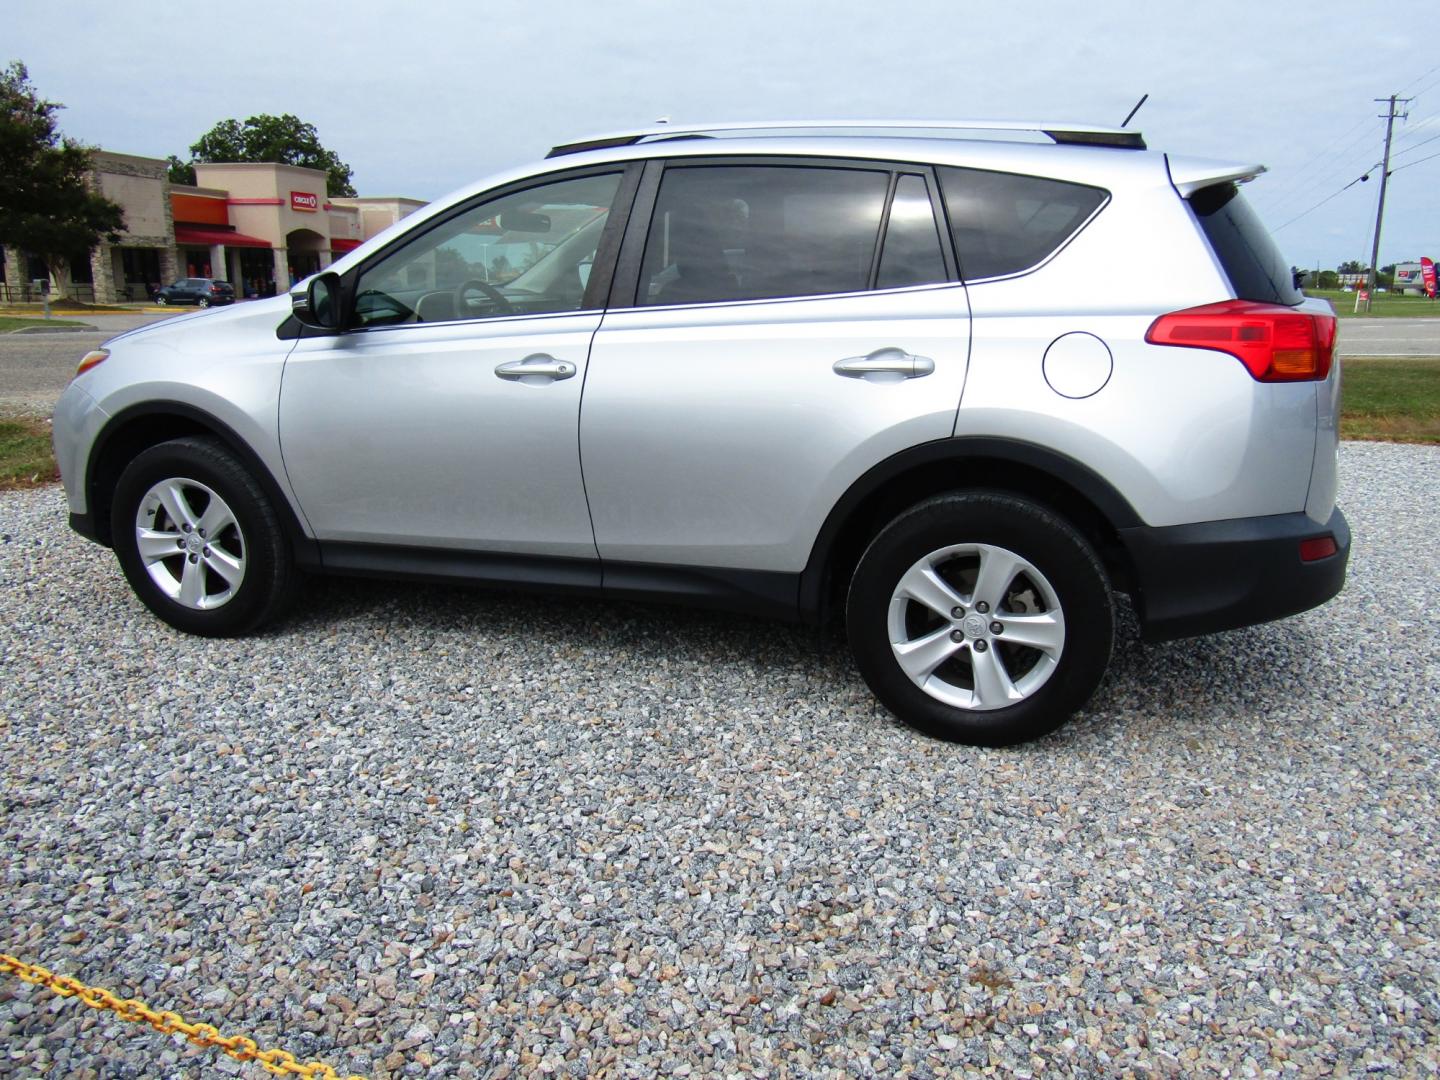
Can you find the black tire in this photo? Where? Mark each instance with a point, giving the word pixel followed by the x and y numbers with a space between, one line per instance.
pixel 253 539
pixel 955 533
pixel 202 302
pixel 161 300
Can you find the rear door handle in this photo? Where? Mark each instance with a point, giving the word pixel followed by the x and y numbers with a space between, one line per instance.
pixel 537 368
pixel 885 365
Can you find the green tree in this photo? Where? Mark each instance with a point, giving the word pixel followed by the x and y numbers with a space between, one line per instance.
pixel 281 140
pixel 47 204
pixel 181 172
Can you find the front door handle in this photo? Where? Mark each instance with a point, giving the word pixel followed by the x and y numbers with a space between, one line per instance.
pixel 885 365
pixel 535 369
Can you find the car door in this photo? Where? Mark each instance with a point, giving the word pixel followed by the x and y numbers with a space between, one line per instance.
pixel 764 349
pixel 445 416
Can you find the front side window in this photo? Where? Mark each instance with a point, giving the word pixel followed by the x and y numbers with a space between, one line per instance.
pixel 748 232
pixel 1004 223
pixel 528 252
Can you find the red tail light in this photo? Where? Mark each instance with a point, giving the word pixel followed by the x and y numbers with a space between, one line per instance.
pixel 1276 344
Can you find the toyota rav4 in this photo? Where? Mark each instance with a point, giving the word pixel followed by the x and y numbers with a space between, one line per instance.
pixel 958 384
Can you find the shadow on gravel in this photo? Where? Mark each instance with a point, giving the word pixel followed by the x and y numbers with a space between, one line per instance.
pixel 1235 682
pixel 680 633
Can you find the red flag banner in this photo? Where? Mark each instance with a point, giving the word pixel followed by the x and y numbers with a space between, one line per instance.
pixel 1427 276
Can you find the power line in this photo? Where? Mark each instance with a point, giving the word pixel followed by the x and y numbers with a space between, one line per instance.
pixel 1325 200
pixel 1309 180
pixel 1426 89
pixel 1346 158
pixel 1415 146
pixel 1417 161
pixel 1282 200
pixel 1403 90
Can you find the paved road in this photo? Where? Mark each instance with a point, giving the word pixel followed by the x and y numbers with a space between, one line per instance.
pixel 1390 337
pixel 35 368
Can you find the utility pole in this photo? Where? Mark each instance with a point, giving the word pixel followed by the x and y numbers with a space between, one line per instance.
pixel 1389 119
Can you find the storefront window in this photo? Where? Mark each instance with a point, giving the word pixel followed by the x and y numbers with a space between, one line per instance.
pixel 257 273
pixel 141 267
pixel 80 270
pixel 197 262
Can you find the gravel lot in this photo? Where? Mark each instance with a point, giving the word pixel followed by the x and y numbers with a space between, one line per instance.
pixel 427 832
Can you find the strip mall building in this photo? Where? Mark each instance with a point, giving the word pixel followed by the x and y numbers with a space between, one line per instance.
pixel 260 227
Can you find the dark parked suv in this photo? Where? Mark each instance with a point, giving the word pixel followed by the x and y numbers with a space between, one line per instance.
pixel 196 290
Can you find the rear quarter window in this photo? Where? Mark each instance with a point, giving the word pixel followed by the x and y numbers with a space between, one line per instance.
pixel 1004 223
pixel 1250 259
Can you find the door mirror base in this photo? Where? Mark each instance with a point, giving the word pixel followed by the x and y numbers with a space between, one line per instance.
pixel 318 305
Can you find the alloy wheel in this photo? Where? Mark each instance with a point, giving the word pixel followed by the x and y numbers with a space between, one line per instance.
pixel 976 626
pixel 190 543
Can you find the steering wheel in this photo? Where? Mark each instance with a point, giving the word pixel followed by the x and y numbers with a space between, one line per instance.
pixel 503 306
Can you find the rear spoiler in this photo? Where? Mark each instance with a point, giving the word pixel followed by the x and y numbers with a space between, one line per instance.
pixel 1190 175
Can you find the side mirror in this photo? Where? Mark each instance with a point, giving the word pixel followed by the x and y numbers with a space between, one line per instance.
pixel 318 305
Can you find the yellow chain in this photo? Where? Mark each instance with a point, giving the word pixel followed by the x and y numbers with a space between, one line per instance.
pixel 239 1047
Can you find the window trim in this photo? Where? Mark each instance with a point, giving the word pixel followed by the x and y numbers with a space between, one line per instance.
pixel 624 291
pixel 602 269
pixel 937 210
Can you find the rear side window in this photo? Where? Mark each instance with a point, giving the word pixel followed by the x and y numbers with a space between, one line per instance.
pixel 754 231
pixel 1004 223
pixel 1249 257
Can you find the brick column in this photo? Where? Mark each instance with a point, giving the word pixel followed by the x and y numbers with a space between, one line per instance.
pixel 169 265
pixel 14 272
pixel 102 273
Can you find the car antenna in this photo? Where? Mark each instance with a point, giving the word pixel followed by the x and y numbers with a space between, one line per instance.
pixel 1143 98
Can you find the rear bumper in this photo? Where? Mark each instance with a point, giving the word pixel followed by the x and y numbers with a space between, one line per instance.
pixel 1220 575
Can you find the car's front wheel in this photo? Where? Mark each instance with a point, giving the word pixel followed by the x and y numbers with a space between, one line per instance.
pixel 199 541
pixel 982 618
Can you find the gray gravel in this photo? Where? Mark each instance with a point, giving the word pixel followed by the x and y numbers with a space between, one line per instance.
pixel 425 832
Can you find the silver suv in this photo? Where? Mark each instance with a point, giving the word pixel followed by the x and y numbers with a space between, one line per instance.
pixel 959 382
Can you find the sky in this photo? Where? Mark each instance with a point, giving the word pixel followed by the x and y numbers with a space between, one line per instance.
pixel 420 99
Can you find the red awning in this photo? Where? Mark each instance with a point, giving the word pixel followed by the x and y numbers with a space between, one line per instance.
pixel 339 243
pixel 207 237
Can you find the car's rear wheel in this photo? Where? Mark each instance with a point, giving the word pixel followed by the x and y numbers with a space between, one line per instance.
pixel 982 618
pixel 199 542
pixel 161 299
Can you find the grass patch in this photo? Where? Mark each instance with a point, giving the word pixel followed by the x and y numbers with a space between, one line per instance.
pixel 25 456
pixel 1382 305
pixel 13 322
pixel 1396 399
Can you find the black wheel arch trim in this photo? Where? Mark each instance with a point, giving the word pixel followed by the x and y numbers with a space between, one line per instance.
pixel 307 552
pixel 1084 481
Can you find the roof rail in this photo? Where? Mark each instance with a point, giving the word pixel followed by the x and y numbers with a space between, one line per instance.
pixel 1072 134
